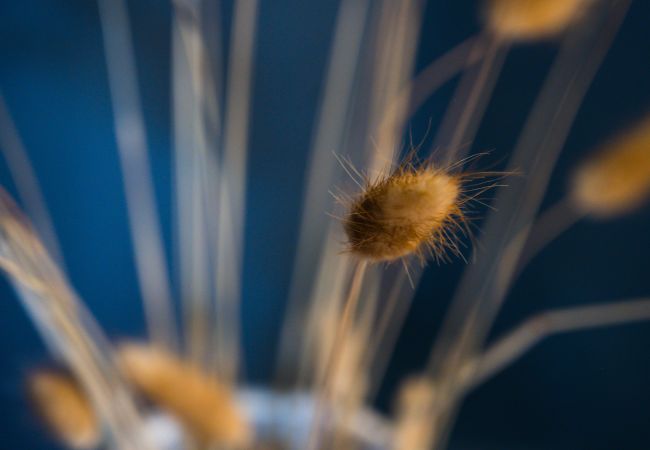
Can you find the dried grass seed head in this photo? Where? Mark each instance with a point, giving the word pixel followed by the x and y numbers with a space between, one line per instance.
pixel 524 20
pixel 407 212
pixel 616 180
pixel 65 409
pixel 204 406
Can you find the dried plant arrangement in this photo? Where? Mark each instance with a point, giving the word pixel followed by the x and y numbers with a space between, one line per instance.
pixel 376 213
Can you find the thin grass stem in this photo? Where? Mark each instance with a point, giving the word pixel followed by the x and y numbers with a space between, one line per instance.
pixel 331 123
pixel 26 181
pixel 232 190
pixel 141 202
pixel 347 316
pixel 517 342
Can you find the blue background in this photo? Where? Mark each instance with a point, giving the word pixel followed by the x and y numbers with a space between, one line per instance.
pixel 587 390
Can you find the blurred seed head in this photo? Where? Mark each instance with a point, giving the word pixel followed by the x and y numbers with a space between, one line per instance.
pixel 205 407
pixel 616 180
pixel 65 409
pixel 523 20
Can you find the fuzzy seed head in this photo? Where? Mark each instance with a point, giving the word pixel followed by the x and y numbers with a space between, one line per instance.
pixel 403 213
pixel 617 179
pixel 204 406
pixel 65 409
pixel 525 20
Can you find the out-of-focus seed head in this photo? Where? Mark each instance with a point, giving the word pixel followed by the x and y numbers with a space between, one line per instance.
pixel 65 409
pixel 617 179
pixel 204 406
pixel 523 20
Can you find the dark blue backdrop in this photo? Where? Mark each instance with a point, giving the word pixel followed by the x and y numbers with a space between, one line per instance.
pixel 582 391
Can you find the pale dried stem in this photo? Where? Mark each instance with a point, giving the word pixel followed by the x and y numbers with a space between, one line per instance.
pixel 396 30
pixel 132 144
pixel 518 341
pixel 461 57
pixel 552 143
pixel 69 331
pixel 324 391
pixel 400 25
pixel 569 79
pixel 391 321
pixel 190 233
pixel 326 303
pixel 26 181
pixel 197 121
pixel 474 99
pixel 460 123
pixel 409 100
pixel 550 224
pixel 334 107
pixel 475 88
pixel 232 191
pixel 481 292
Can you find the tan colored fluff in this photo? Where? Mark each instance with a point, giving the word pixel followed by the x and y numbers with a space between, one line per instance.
pixel 532 19
pixel 617 179
pixel 204 406
pixel 65 409
pixel 406 212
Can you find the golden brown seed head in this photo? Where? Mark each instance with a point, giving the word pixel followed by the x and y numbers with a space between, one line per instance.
pixel 532 19
pixel 203 405
pixel 65 409
pixel 403 213
pixel 617 179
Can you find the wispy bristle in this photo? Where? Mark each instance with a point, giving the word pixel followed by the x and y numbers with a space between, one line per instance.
pixel 532 19
pixel 617 179
pixel 65 409
pixel 204 406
